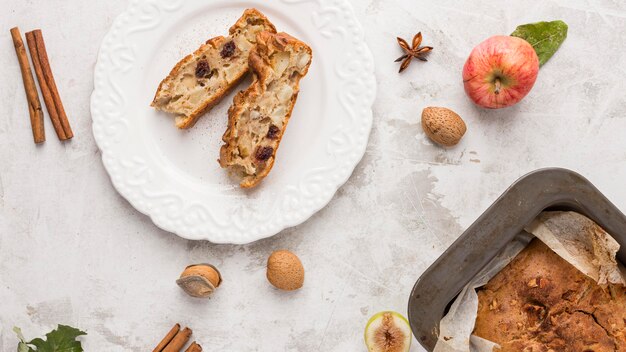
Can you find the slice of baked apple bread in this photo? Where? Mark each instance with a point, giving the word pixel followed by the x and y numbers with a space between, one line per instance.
pixel 200 80
pixel 259 115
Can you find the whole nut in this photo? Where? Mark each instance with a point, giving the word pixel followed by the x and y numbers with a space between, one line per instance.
pixel 200 280
pixel 443 126
pixel 285 271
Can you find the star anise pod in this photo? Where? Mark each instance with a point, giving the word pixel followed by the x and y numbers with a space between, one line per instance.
pixel 413 51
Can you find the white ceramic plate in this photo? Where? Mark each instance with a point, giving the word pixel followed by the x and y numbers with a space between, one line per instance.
pixel 172 175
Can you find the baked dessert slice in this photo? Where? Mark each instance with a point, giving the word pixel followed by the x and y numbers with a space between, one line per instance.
pixel 199 81
pixel 259 115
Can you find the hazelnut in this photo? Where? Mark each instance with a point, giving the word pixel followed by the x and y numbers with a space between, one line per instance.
pixel 285 271
pixel 200 280
pixel 443 126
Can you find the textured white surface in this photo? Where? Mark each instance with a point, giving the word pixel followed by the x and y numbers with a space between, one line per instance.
pixel 73 251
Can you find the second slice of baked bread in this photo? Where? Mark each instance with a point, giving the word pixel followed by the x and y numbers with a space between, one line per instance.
pixel 200 80
pixel 259 115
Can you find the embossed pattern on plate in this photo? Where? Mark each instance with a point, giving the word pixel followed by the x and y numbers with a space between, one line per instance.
pixel 172 175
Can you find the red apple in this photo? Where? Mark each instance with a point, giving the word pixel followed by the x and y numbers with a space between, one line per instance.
pixel 500 71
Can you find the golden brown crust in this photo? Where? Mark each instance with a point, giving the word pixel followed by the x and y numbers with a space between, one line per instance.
pixel 540 302
pixel 269 46
pixel 187 120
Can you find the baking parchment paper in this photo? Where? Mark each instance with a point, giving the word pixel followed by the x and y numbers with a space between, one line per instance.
pixel 572 236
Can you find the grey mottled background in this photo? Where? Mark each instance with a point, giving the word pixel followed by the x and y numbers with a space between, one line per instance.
pixel 73 251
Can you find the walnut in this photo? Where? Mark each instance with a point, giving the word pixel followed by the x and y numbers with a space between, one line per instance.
pixel 538 282
pixel 493 305
pixel 535 312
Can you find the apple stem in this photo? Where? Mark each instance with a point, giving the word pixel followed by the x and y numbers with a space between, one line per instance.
pixel 497 91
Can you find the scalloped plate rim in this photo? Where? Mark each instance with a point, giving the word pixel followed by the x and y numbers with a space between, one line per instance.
pixel 142 208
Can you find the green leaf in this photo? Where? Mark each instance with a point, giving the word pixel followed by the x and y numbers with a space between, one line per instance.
pixel 18 332
pixel 62 339
pixel 21 346
pixel 545 37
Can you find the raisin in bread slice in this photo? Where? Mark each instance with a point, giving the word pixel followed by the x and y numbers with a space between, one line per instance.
pixel 259 115
pixel 200 80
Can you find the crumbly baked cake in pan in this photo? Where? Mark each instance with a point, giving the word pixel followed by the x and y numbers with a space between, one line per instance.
pixel 541 303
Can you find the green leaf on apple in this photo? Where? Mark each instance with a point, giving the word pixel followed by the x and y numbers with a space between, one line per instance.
pixel 545 37
pixel 62 339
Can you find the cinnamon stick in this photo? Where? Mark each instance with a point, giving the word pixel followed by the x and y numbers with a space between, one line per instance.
pixel 194 347
pixel 178 341
pixel 34 105
pixel 166 340
pixel 48 85
pixel 45 90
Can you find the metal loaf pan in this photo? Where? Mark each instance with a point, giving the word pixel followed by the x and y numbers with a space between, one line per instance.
pixel 554 189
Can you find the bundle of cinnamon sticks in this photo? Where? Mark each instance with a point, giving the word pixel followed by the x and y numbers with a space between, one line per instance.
pixel 39 56
pixel 176 339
